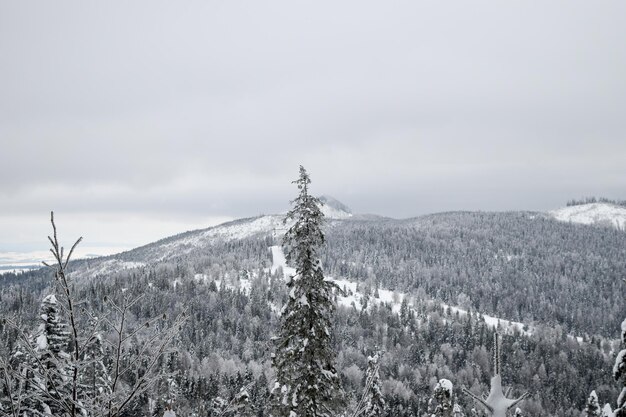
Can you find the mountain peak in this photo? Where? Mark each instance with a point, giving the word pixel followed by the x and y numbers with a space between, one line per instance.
pixel 334 209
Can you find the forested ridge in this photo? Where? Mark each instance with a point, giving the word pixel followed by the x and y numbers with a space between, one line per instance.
pixel 561 278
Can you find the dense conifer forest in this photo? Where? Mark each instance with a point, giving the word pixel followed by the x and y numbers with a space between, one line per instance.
pixel 561 280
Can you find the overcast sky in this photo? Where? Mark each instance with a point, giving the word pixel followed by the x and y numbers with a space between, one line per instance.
pixel 137 120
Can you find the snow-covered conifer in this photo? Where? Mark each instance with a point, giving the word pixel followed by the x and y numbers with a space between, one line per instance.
pixel 372 403
pixel 619 373
pixel 307 383
pixel 607 411
pixel 50 367
pixel 592 409
pixel 442 397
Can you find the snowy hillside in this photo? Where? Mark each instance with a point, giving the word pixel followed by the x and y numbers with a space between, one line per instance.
pixel 594 213
pixel 240 229
pixel 195 242
pixel 356 299
pixel 191 243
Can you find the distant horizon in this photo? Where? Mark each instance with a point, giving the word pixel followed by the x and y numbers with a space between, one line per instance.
pixel 26 252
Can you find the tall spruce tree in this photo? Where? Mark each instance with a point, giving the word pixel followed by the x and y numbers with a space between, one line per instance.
pixel 307 383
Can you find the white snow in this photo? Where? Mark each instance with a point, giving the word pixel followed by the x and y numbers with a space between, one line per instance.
pixel 42 342
pixel 607 411
pixel 279 261
pixel 446 384
pixel 594 213
pixel 52 299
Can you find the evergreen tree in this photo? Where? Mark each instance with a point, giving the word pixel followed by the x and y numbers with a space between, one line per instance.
pixel 619 373
pixel 372 403
pixel 307 384
pixel 442 399
pixel 592 409
pixel 50 368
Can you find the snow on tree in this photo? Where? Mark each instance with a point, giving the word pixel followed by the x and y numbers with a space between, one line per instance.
pixel 372 403
pixel 47 367
pixel 307 383
pixel 518 412
pixel 496 403
pixel 619 373
pixel 607 411
pixel 61 370
pixel 93 379
pixel 238 406
pixel 592 409
pixel 442 399
pixel 457 411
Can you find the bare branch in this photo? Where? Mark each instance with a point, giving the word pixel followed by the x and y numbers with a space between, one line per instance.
pixel 478 399
pixel 517 401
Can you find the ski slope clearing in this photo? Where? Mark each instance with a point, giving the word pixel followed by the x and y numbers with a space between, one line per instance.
pixel 594 214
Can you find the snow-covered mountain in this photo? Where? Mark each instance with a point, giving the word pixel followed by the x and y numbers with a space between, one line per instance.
pixel 334 209
pixel 605 214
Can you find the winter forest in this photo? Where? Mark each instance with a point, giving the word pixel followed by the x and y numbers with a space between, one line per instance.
pixel 325 313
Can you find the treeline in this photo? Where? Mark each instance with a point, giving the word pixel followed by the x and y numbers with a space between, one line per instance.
pixel 591 200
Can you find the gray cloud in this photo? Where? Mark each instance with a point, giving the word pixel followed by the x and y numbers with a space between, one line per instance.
pixel 204 109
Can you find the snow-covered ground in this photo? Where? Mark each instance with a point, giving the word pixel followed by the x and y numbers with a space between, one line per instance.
pixel 279 261
pixel 594 213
